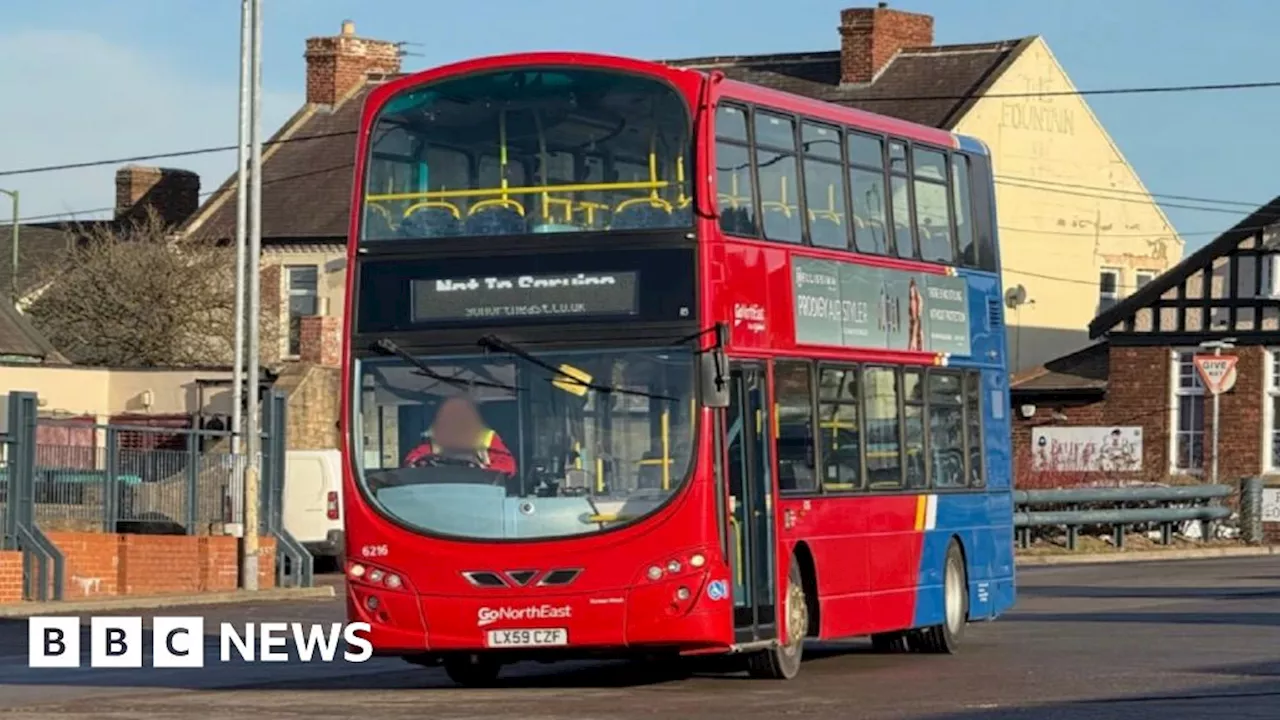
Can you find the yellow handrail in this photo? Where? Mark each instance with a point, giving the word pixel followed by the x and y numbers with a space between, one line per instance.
pixel 497 202
pixel 453 209
pixel 653 202
pixel 666 449
pixel 504 190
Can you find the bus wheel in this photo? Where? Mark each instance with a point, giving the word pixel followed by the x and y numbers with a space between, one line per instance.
pixel 945 638
pixel 783 662
pixel 472 670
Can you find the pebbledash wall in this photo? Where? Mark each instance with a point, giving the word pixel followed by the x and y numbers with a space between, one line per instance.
pixel 102 565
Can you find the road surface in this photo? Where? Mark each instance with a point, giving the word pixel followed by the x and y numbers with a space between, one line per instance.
pixel 1164 641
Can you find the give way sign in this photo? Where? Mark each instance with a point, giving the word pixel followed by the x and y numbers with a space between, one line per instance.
pixel 1217 372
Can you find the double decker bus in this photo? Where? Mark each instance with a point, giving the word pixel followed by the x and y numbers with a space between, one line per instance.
pixel 642 360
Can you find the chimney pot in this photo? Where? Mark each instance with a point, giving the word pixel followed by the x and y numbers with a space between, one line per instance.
pixel 871 37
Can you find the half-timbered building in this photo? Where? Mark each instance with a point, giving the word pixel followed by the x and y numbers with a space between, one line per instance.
pixel 1137 386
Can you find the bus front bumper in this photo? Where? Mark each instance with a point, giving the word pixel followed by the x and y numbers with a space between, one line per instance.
pixel 677 614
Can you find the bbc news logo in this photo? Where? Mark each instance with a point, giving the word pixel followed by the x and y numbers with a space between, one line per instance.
pixel 180 642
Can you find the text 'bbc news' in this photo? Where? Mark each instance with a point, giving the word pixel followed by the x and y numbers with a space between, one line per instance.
pixel 180 642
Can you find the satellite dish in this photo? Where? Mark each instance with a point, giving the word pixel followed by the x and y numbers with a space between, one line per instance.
pixel 1015 297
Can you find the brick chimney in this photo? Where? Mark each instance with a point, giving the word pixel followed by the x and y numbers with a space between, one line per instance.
pixel 871 37
pixel 174 194
pixel 321 340
pixel 339 64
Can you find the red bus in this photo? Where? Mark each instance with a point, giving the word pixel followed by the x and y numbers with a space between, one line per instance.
pixel 644 361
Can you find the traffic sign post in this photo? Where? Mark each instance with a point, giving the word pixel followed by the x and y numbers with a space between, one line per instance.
pixel 1218 373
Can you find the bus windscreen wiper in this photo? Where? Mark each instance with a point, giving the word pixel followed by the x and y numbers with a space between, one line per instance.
pixel 388 347
pixel 493 342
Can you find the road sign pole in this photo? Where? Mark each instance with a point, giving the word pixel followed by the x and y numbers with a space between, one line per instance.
pixel 1217 400
pixel 1217 373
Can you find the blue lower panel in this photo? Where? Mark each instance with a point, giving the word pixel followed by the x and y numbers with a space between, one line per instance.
pixel 984 525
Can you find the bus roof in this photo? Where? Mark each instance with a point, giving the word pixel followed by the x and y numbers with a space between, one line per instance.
pixel 747 92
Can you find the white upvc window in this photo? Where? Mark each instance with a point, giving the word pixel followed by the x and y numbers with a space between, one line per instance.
pixel 1271 411
pixel 302 291
pixel 1186 442
pixel 1142 277
pixel 1108 288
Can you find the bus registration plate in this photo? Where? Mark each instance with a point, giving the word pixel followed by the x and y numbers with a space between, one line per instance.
pixel 541 637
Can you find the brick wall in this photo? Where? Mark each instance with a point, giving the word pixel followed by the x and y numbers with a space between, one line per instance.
pixel 107 564
pixel 321 341
pixel 92 563
pixel 1138 393
pixel 10 577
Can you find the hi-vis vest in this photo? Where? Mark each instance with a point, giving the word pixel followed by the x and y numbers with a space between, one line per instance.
pixel 483 443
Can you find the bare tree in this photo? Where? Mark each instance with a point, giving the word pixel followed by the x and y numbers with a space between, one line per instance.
pixel 139 296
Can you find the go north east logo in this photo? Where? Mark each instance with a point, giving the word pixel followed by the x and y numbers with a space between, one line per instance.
pixel 180 642
pixel 488 616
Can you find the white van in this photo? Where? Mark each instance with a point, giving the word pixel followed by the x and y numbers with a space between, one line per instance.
pixel 312 504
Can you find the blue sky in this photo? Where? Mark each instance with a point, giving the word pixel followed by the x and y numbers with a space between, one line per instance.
pixel 92 79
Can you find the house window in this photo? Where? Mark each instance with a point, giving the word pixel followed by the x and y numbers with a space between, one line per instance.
pixel 1255 276
pixel 303 292
pixel 1108 288
pixel 1188 414
pixel 1271 412
pixel 1142 277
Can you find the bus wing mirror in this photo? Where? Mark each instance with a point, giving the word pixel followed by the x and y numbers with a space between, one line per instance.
pixel 713 367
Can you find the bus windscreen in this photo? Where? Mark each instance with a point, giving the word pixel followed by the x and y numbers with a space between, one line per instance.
pixel 530 150
pixel 522 446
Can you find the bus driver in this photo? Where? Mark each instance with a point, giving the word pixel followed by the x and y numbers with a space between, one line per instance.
pixel 459 429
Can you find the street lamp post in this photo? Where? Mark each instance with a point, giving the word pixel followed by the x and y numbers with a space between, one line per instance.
pixel 13 279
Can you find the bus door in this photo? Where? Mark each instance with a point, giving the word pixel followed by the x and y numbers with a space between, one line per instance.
pixel 751 541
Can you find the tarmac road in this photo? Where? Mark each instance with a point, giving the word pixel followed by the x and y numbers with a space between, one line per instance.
pixel 1163 641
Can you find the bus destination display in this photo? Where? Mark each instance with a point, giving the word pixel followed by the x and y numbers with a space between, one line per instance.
pixel 581 294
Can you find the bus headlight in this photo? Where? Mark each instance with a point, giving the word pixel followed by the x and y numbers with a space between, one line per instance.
pixel 673 566
pixel 698 560
pixel 393 581
pixel 356 570
pixel 655 572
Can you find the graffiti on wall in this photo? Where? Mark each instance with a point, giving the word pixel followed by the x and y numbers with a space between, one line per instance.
pixel 1087 449
pixel 1271 505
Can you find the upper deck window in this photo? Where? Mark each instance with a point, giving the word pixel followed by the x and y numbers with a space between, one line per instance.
pixel 530 150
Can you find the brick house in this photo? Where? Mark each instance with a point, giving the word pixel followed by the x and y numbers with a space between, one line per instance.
pixel 1139 377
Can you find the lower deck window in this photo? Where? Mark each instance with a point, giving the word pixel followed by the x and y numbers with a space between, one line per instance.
pixel 878 428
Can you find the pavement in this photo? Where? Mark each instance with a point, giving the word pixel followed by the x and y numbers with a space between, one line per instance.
pixel 1192 639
